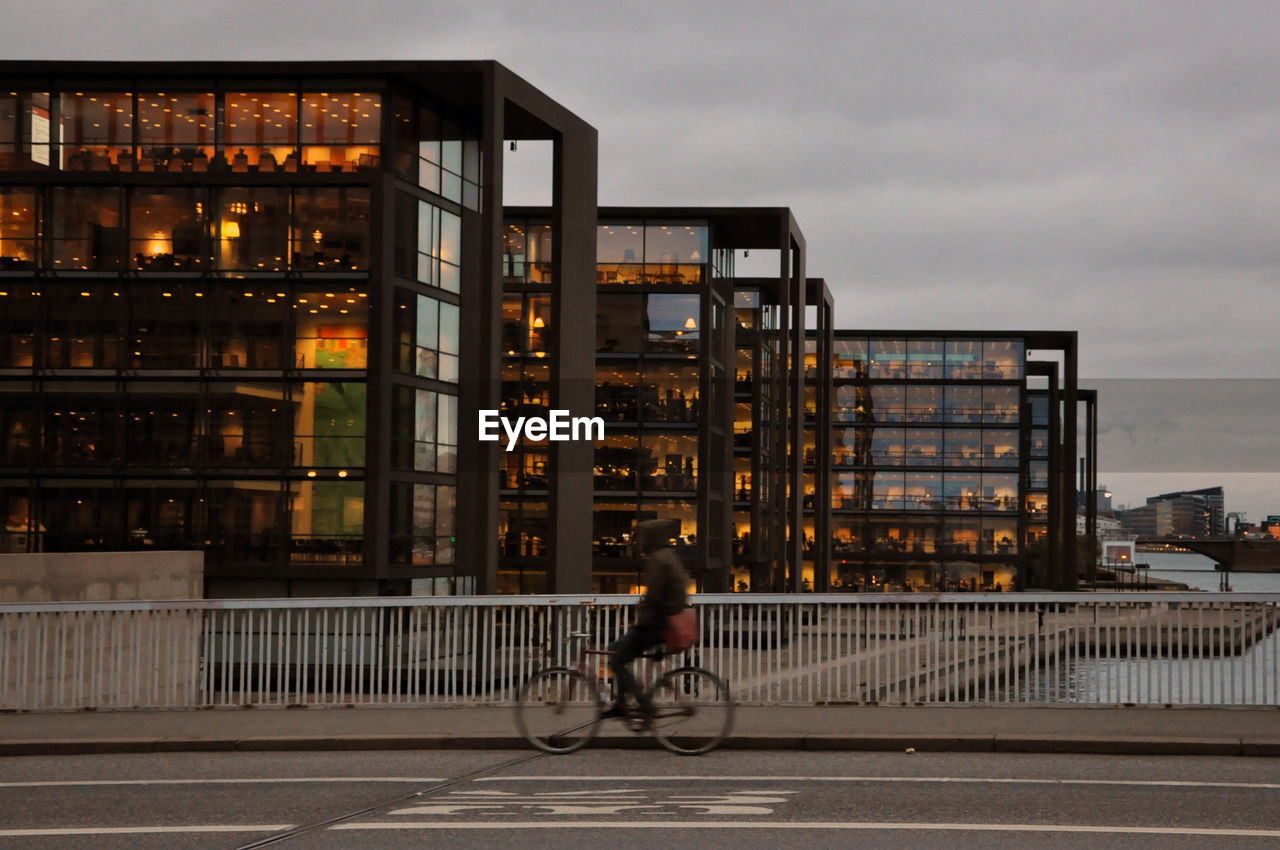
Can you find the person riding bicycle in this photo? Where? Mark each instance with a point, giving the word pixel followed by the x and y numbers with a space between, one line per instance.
pixel 666 593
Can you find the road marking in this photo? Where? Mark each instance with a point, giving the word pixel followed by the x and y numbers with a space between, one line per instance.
pixel 1161 783
pixel 783 825
pixel 826 825
pixel 447 809
pixel 596 802
pixel 55 783
pixel 594 792
pixel 144 830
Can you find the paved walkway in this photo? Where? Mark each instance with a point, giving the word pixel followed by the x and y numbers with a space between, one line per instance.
pixel 1183 731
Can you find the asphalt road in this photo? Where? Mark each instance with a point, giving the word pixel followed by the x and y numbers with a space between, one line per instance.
pixel 637 799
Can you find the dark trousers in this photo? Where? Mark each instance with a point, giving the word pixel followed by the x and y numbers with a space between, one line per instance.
pixel 622 652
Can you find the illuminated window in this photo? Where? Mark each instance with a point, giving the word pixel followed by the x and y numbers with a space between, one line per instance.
pixel 332 329
pixel 86 229
pixel 331 230
pixel 329 423
pixel 17 228
pixel 12 120
pixel 326 522
pixel 254 229
pixel 166 229
pixel 175 132
pixel 340 130
pixel 260 131
pixel 95 131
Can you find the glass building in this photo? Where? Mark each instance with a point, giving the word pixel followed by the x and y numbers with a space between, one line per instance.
pixel 255 308
pixel 233 299
pixel 942 475
pixel 672 323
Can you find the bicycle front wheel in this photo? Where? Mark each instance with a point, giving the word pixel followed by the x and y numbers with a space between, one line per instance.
pixel 693 711
pixel 559 710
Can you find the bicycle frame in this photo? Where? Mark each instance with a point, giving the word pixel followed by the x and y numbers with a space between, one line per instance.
pixel 662 659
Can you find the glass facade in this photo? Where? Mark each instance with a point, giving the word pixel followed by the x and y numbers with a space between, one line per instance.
pixel 929 468
pixel 651 375
pixel 633 253
pixel 772 547
pixel 190 132
pixel 428 242
pixel 426 332
pixel 1037 489
pixel 185 344
pixel 231 319
pixel 436 153
pixel 526 252
pixel 527 343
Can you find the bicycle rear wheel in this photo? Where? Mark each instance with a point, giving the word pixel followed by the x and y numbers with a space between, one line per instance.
pixel 558 710
pixel 693 711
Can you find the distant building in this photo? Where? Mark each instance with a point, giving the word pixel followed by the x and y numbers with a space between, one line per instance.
pixel 1101 497
pixel 1108 528
pixel 1118 553
pixel 1214 502
pixel 1196 513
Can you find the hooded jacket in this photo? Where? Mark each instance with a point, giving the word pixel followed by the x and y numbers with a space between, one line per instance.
pixel 666 583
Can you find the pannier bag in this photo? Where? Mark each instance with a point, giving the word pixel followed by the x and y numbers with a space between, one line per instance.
pixel 682 630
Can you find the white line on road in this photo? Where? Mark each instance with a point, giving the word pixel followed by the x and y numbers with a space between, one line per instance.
pixel 51 783
pixel 954 779
pixel 803 825
pixel 146 830
pixel 785 825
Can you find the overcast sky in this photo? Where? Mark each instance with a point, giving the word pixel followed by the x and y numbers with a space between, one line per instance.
pixel 1110 167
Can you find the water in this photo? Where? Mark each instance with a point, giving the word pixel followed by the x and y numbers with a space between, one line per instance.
pixel 1250 679
pixel 1197 572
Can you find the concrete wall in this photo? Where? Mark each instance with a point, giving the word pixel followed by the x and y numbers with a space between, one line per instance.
pixel 100 658
pixel 100 576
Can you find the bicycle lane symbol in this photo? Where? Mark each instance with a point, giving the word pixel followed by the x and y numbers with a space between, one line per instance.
pixel 598 802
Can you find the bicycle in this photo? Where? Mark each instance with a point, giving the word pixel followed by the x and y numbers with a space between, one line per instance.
pixel 558 708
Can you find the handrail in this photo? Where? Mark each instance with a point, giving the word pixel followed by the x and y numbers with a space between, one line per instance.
pixel 1109 648
pixel 1031 598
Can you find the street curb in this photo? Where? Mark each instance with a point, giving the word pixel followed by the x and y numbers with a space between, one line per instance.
pixel 764 741
pixel 1049 744
pixel 1260 746
pixel 98 746
pixel 1144 746
pixel 920 743
pixel 180 745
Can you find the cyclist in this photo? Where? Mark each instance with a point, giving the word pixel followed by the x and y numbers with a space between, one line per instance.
pixel 666 589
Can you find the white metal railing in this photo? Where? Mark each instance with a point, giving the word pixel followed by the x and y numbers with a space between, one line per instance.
pixel 898 649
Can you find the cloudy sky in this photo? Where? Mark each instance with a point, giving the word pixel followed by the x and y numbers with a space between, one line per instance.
pixel 1110 167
